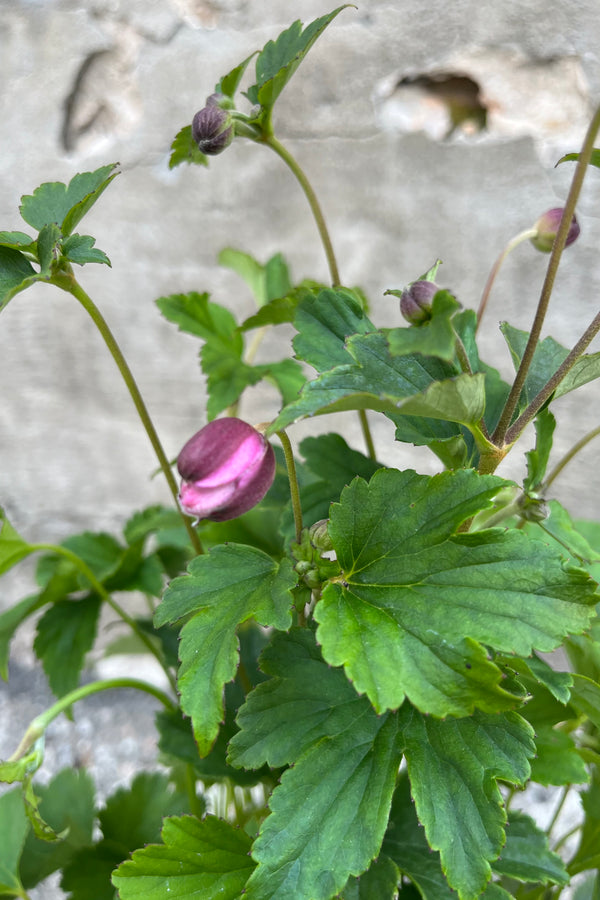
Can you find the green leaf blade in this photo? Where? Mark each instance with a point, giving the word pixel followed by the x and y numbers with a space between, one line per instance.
pixel 16 274
pixel 184 149
pixel 65 205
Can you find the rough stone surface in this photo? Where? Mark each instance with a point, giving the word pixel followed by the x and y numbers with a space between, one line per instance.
pixel 110 80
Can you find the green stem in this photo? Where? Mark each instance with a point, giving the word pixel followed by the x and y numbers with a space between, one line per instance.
pixel 293 479
pixel 368 437
pixel 67 282
pixel 565 837
pixel 559 809
pixel 569 456
pixel 514 242
pixel 546 392
pixel 559 244
pixel 99 588
pixel 38 726
pixel 196 807
pixel 271 141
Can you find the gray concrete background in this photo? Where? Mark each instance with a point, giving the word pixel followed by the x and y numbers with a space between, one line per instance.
pixel 88 84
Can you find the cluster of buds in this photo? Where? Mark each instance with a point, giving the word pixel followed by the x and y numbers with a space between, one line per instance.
pixel 227 468
pixel 212 126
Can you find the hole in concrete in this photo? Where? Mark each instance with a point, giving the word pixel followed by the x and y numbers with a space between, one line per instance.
pixel 438 103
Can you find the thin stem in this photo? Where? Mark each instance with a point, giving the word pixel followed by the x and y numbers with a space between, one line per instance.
pixel 559 244
pixel 565 837
pixel 559 809
pixel 196 808
pixel 293 479
pixel 272 142
pixel 514 242
pixel 38 725
pixel 99 588
pixel 368 437
pixel 566 459
pixel 546 392
pixel 67 282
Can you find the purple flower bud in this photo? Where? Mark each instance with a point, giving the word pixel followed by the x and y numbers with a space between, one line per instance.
pixel 416 300
pixel 227 468
pixel 212 128
pixel 547 226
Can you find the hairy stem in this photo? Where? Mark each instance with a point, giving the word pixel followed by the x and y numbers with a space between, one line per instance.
pixel 559 244
pixel 38 726
pixel 566 459
pixel 67 282
pixel 368 437
pixel 293 479
pixel 514 242
pixel 104 594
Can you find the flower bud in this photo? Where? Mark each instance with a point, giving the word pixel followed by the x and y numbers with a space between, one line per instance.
pixel 212 128
pixel 547 226
pixel 416 300
pixel 319 536
pixel 227 468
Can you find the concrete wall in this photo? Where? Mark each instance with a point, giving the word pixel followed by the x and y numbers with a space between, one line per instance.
pixel 86 85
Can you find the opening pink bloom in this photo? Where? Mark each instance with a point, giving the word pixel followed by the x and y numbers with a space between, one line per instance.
pixel 547 226
pixel 227 468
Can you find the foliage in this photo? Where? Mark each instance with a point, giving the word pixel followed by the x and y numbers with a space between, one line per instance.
pixel 354 665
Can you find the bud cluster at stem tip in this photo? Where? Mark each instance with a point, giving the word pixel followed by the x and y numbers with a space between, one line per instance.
pixel 547 226
pixel 227 468
pixel 212 127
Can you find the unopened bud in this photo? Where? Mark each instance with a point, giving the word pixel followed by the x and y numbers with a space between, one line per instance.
pixel 212 128
pixel 416 301
pixel 547 226
pixel 227 468
pixel 319 536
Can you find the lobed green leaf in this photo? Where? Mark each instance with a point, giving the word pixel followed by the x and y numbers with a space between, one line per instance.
pixel 184 149
pixel 65 205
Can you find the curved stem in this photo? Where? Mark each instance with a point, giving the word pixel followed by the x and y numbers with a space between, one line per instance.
pixel 569 456
pixel 559 809
pixel 67 282
pixel 546 392
pixel 272 142
pixel 293 479
pixel 104 594
pixel 553 262
pixel 514 242
pixel 368 437
pixel 40 723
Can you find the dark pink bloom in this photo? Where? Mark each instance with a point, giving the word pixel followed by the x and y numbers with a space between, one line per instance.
pixel 547 226
pixel 212 128
pixel 416 300
pixel 227 468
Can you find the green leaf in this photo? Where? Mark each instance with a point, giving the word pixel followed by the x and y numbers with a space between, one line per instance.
pixel 417 604
pixel 277 312
pixel 267 282
pixel 10 620
pixel 208 859
pixel 526 855
pixel 588 852
pixel 333 461
pixel 323 323
pixel 585 697
pixel 223 589
pixel 548 356
pixel 64 635
pixel 345 763
pixel 16 274
pixel 67 805
pixel 397 386
pixel 229 84
pixel 13 828
pixel 228 376
pixel 65 205
pixel 557 760
pixel 569 542
pixel 79 248
pixel 195 314
pixel 279 59
pixel 184 149
pixel 17 240
pixel 287 375
pixel 131 818
pixel 573 157
pixel 435 337
pixel 453 766
pixel 537 459
pixel 13 548
pixel 379 882
pixel 406 845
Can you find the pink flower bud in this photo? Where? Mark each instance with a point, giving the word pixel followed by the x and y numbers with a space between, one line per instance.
pixel 227 468
pixel 416 300
pixel 547 226
pixel 212 128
